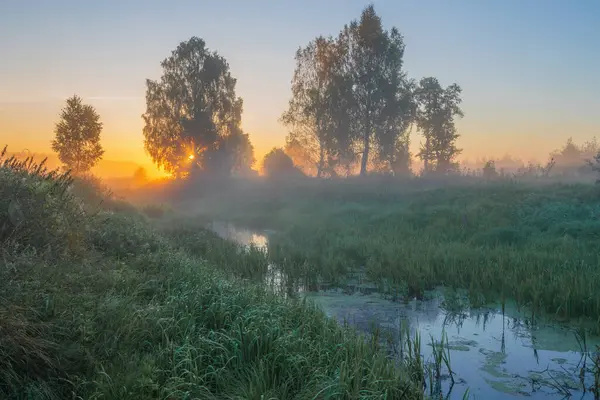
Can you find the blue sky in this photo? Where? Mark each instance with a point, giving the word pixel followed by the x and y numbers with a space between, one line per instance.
pixel 528 68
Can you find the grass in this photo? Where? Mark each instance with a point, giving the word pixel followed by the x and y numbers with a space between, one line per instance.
pixel 532 242
pixel 97 303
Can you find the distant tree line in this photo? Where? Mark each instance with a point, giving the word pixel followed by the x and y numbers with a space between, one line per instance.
pixel 572 160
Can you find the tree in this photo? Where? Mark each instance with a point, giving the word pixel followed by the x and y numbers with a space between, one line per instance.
pixel 77 136
pixel 302 157
pixel 193 114
pixel 489 170
pixel 393 135
pixel 595 165
pixel 237 152
pixel 278 164
pixel 382 106
pixel 437 111
pixel 140 175
pixel 309 113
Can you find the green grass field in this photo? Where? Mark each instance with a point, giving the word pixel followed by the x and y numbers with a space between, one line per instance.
pixel 536 243
pixel 100 300
pixel 98 303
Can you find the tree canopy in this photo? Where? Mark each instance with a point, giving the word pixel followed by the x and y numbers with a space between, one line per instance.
pixel 193 115
pixel 352 109
pixel 438 108
pixel 277 164
pixel 77 136
pixel 352 102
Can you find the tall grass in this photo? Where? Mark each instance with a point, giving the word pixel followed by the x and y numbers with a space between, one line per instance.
pixel 95 303
pixel 533 242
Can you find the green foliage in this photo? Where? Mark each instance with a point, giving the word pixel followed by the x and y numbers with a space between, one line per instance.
pixel 157 313
pixel 536 244
pixel 595 165
pixel 378 83
pixel 277 164
pixel 312 106
pixel 153 211
pixel 77 140
pixel 575 160
pixel 193 116
pixel 350 96
pixel 489 170
pixel 37 209
pixel 95 195
pixel 438 108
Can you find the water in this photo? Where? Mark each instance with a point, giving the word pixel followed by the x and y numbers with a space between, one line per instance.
pixel 494 354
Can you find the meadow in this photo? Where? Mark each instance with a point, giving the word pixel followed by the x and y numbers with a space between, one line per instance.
pixel 533 242
pixel 98 302
pixel 102 298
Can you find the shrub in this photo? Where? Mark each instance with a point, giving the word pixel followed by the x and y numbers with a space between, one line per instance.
pixel 153 211
pixel 37 208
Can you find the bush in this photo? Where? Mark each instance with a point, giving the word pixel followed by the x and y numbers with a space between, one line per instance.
pixel 153 211
pixel 97 196
pixel 37 208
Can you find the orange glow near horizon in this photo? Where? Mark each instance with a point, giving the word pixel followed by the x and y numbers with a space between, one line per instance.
pixel 124 152
pixel 519 98
pixel 523 137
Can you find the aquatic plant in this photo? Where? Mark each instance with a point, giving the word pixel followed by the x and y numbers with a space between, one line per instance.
pixel 441 356
pixel 535 244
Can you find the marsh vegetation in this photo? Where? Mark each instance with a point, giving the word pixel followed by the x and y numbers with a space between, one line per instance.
pixel 480 247
pixel 348 272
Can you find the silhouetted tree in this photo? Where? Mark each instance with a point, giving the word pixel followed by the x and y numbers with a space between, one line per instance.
pixel 352 100
pixel 237 152
pixel 595 165
pixel 278 164
pixel 574 159
pixel 301 156
pixel 374 53
pixel 193 114
pixel 381 96
pixel 77 136
pixel 437 111
pixel 140 175
pixel 393 136
pixel 489 170
pixel 308 113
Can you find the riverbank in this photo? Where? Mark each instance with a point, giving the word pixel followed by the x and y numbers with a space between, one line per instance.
pixel 98 303
pixel 534 243
pixel 494 350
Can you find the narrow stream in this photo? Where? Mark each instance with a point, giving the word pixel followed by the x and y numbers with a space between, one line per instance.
pixel 494 355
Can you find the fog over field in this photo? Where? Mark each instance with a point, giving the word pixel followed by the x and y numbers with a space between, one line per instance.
pixel 158 241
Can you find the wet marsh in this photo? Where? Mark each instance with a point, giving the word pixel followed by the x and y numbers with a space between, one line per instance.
pixel 489 351
pixel 508 274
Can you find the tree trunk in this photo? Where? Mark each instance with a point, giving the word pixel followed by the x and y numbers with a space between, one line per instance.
pixel 365 155
pixel 367 147
pixel 321 160
pixel 426 160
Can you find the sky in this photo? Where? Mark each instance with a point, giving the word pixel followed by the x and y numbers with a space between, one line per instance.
pixel 528 68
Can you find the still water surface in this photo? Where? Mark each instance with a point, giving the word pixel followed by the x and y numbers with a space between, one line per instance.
pixel 493 354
